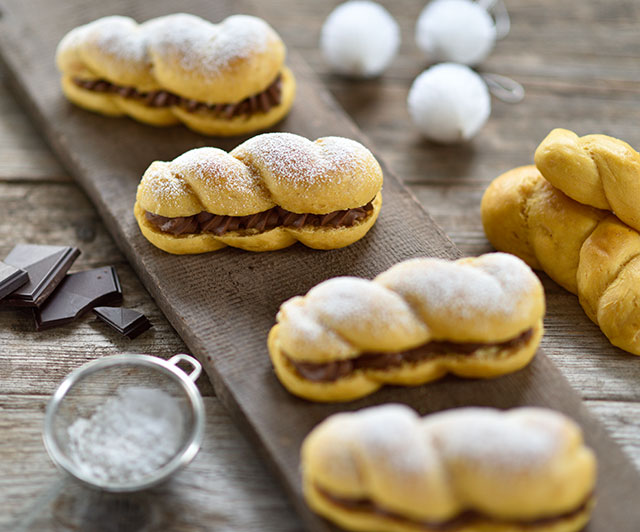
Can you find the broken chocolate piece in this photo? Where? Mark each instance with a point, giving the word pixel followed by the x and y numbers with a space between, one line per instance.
pixel 11 278
pixel 78 293
pixel 46 266
pixel 126 321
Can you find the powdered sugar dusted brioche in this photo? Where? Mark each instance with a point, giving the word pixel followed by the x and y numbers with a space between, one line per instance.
pixel 475 317
pixel 468 469
pixel 267 193
pixel 226 78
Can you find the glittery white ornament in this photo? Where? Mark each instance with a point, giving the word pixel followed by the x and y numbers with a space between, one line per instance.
pixel 359 38
pixel 449 103
pixel 460 31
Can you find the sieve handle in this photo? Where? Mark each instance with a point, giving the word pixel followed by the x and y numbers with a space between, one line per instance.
pixel 183 357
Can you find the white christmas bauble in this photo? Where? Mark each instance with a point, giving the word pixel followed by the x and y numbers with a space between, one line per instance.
pixel 449 103
pixel 359 38
pixel 460 31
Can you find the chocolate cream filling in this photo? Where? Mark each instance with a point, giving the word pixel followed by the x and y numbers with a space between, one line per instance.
pixel 464 519
pixel 218 224
pixel 258 103
pixel 332 371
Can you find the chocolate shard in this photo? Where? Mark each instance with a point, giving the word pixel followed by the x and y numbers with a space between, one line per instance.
pixel 11 278
pixel 46 266
pixel 78 293
pixel 126 321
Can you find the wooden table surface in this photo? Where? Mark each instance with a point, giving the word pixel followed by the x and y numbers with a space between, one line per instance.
pixel 578 62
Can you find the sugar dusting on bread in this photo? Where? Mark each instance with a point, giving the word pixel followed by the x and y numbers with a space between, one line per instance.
pixel 415 297
pixel 162 187
pixel 494 284
pixel 215 170
pixel 516 441
pixel 294 161
pixel 273 169
pixel 204 47
pixel 523 439
pixel 120 38
pixel 355 307
pixel 199 45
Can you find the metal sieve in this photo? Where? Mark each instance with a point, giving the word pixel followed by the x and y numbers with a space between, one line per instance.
pixel 88 387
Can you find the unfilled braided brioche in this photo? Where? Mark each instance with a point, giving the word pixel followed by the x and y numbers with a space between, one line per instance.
pixel 270 170
pixel 486 301
pixel 184 55
pixel 586 250
pixel 595 170
pixel 468 469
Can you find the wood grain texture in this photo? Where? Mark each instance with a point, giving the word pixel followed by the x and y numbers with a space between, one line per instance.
pixel 450 203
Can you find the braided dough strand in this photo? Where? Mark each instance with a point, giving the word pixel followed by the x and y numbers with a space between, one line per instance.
pixel 595 170
pixel 523 464
pixel 586 250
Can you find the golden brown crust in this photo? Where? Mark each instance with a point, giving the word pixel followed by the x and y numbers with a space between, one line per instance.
pixel 595 170
pixel 586 250
pixel 181 54
pixel 526 464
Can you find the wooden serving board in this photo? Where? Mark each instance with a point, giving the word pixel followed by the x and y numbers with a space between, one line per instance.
pixel 223 303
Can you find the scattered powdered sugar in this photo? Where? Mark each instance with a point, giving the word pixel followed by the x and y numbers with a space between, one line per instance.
pixel 495 284
pixel 488 438
pixel 388 434
pixel 163 187
pixel 296 163
pixel 200 45
pixel 129 437
pixel 515 441
pixel 347 298
pixel 363 312
pixel 121 38
pixel 261 170
pixel 402 306
pixel 217 171
pixel 204 47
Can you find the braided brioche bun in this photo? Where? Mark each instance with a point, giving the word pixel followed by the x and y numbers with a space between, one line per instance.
pixel 526 469
pixel 183 55
pixel 488 301
pixel 269 170
pixel 587 251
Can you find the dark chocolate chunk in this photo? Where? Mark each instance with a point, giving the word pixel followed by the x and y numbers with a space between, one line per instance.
pixel 78 293
pixel 11 278
pixel 46 266
pixel 126 321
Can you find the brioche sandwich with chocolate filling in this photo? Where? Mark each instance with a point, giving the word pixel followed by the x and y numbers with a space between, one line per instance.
pixel 414 323
pixel 217 79
pixel 385 469
pixel 268 193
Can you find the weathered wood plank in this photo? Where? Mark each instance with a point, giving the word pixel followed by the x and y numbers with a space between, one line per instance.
pixel 23 153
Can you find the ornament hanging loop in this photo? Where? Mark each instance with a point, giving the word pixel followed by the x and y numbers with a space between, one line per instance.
pixel 504 88
pixel 498 11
